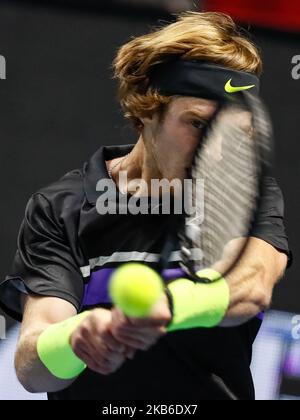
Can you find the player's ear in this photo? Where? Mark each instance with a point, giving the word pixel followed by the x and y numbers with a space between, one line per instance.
pixel 147 120
pixel 150 122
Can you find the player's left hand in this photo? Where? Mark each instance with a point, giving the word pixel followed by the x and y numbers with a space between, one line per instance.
pixel 142 333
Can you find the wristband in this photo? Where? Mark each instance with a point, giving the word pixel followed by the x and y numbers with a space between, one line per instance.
pixel 197 305
pixel 55 351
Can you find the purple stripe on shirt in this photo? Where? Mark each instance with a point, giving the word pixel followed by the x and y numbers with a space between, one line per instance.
pixel 96 291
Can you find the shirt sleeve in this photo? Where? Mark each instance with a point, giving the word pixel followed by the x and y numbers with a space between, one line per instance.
pixel 43 264
pixel 269 225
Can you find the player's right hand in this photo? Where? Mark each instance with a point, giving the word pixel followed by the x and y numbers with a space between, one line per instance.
pixel 142 333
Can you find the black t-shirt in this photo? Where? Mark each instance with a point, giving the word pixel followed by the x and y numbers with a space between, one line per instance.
pixel 67 250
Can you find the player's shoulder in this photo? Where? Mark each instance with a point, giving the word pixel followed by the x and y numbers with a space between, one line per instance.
pixel 61 197
pixel 69 185
pixel 67 195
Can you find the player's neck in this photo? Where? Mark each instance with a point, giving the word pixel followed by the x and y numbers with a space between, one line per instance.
pixel 140 165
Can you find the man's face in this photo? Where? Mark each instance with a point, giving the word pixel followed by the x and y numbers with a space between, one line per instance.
pixel 171 142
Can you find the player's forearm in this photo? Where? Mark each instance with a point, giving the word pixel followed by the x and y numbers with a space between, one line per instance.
pixel 31 372
pixel 249 295
pixel 251 284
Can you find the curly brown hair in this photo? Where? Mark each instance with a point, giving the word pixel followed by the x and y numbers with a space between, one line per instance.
pixel 206 36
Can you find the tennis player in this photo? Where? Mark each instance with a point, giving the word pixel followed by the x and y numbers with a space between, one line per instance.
pixel 73 344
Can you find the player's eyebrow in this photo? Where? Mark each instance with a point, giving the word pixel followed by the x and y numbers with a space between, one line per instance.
pixel 197 114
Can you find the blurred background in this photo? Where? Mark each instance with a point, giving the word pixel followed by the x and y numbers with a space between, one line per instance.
pixel 58 105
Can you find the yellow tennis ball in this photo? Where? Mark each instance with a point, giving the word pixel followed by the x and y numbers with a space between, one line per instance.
pixel 135 288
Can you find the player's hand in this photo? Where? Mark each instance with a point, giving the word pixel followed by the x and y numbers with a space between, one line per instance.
pixel 142 333
pixel 94 343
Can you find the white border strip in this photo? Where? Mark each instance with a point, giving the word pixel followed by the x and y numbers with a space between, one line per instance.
pixel 123 257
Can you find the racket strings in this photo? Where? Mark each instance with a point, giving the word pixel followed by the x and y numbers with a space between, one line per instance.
pixel 230 167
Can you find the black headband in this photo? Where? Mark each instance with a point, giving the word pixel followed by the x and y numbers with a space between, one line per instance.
pixel 201 79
